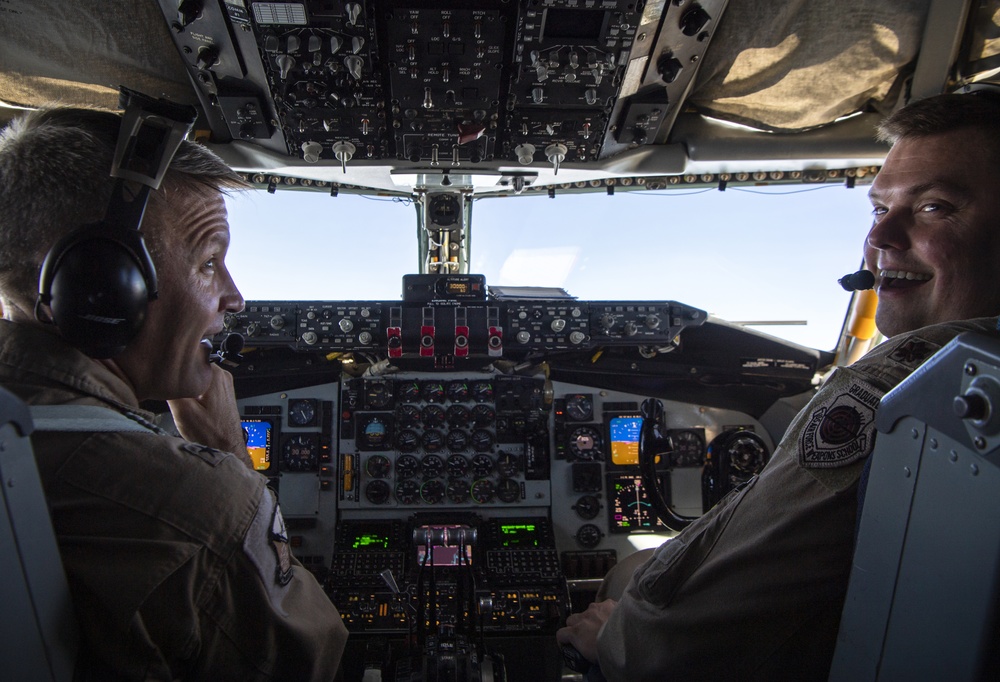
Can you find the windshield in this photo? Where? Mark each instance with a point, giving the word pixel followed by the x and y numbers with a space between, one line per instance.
pixel 768 257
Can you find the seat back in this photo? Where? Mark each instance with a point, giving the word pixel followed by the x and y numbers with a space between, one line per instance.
pixel 922 599
pixel 38 631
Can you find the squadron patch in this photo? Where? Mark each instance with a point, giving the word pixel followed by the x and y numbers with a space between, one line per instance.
pixel 279 541
pixel 913 353
pixel 841 430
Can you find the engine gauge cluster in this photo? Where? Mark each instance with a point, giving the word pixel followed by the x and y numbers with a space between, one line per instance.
pixel 453 440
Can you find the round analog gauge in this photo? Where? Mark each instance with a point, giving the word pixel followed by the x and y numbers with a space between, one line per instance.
pixel 585 443
pixel 457 440
pixel 482 440
pixel 432 440
pixel 458 490
pixel 459 416
pixel 509 490
pixel 377 492
pixel 406 466
pixel 408 415
pixel 374 434
pixel 482 391
pixel 377 466
pixel 300 452
pixel 458 391
pixel 432 466
pixel 378 393
pixel 406 440
pixel 408 391
pixel 747 453
pixel 432 492
pixel 588 535
pixel 508 464
pixel 458 466
pixel 483 491
pixel 432 391
pixel 302 412
pixel 482 465
pixel 587 507
pixel 407 492
pixel 433 416
pixel 579 407
pixel 689 449
pixel 483 415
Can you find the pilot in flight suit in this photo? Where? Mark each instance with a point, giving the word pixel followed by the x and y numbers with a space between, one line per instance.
pixel 176 553
pixel 783 542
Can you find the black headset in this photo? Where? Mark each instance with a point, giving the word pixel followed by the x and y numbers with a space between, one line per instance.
pixel 97 281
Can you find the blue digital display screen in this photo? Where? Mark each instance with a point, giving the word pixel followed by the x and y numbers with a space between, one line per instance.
pixel 624 435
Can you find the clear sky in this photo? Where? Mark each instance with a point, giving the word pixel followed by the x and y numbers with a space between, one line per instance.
pixel 746 254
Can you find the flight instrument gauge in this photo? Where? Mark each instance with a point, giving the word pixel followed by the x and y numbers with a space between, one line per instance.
pixel 482 440
pixel 483 415
pixel 689 448
pixel 458 466
pixel 433 416
pixel 408 415
pixel 509 490
pixel 407 440
pixel 374 432
pixel 458 391
pixel 432 466
pixel 432 440
pixel 377 466
pixel 408 391
pixel 459 416
pixel 483 491
pixel 377 491
pixel 588 536
pixel 457 440
pixel 482 465
pixel 458 490
pixel 302 411
pixel 407 492
pixel 585 443
pixel 406 466
pixel 432 391
pixel 508 464
pixel 432 491
pixel 300 452
pixel 378 393
pixel 482 391
pixel 579 407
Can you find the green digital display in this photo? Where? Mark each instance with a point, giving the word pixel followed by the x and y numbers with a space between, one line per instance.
pixel 370 541
pixel 518 535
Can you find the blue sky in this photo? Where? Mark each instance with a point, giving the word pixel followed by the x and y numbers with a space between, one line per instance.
pixel 746 254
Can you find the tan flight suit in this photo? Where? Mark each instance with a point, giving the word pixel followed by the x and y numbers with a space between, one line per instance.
pixel 176 553
pixel 754 589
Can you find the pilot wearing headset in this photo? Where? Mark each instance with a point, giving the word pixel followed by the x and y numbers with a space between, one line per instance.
pixel 754 589
pixel 175 551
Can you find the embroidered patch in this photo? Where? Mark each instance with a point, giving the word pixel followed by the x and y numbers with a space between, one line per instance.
pixel 913 353
pixel 203 452
pixel 279 541
pixel 841 430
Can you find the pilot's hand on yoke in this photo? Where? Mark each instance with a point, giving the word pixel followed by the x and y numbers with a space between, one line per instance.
pixel 212 418
pixel 582 628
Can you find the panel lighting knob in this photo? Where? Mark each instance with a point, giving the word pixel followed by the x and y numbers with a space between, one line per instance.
pixel 631 329
pixel 365 338
pixel 556 154
pixel 525 153
pixel 277 322
pixel 558 324
pixel 311 151
pixel 577 337
pixel 344 152
pixel 310 338
pixel 523 337
pixel 652 321
pixel 345 325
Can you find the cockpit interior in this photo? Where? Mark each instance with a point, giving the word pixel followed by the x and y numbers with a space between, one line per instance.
pixel 461 465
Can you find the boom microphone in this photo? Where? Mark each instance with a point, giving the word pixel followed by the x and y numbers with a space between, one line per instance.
pixel 856 281
pixel 229 354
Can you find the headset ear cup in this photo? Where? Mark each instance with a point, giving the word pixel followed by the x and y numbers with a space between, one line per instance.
pixel 98 288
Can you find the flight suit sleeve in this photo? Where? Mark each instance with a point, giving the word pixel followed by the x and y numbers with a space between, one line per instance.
pixel 270 612
pixel 753 590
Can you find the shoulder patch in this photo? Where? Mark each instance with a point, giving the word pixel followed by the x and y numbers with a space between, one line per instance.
pixel 203 452
pixel 913 352
pixel 279 541
pixel 841 430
